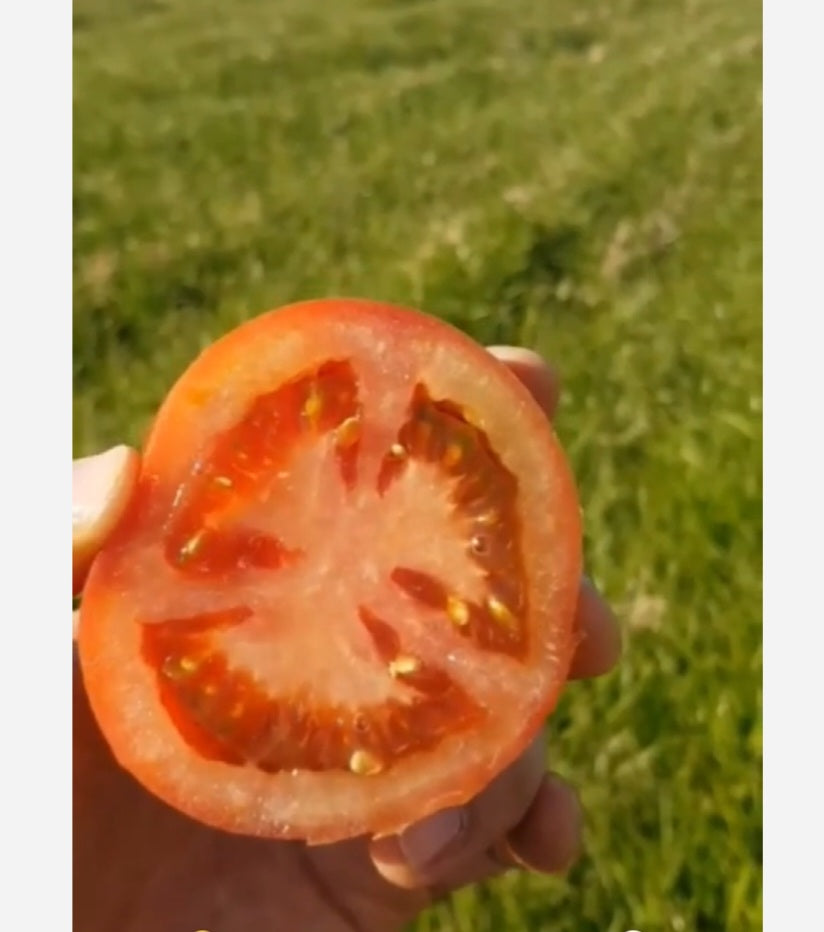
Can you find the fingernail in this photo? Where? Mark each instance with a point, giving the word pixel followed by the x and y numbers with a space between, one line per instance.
pixel 424 843
pixel 94 482
pixel 519 355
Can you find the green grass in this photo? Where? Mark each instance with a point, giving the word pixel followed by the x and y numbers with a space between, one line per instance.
pixel 581 178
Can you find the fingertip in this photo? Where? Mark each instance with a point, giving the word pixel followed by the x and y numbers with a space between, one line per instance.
pixel 599 645
pixel 549 837
pixel 538 377
pixel 102 486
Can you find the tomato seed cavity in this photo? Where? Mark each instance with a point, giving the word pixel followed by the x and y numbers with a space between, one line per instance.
pixel 227 715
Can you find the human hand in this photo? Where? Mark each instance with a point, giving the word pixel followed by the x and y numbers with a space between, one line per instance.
pixel 140 865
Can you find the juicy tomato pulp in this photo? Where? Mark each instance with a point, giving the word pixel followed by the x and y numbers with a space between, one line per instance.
pixel 343 595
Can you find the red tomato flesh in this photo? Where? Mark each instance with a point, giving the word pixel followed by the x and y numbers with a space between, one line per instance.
pixel 343 596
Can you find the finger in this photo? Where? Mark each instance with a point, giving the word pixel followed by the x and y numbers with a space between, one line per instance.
pixel 599 647
pixel 101 488
pixel 445 848
pixel 600 640
pixel 548 838
pixel 542 381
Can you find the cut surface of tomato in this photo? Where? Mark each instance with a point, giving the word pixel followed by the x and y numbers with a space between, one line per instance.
pixel 343 595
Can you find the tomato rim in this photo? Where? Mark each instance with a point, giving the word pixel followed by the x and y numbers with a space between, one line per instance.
pixel 386 819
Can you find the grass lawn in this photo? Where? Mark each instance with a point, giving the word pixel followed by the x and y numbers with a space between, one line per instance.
pixel 581 178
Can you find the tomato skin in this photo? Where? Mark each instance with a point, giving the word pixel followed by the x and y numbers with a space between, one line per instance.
pixel 331 806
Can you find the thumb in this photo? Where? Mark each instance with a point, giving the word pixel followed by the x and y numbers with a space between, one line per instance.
pixel 102 486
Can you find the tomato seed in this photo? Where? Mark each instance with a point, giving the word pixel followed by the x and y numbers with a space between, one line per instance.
pixel 313 405
pixel 173 667
pixel 501 613
pixel 364 763
pixel 453 455
pixel 349 432
pixel 191 547
pixel 458 611
pixel 403 665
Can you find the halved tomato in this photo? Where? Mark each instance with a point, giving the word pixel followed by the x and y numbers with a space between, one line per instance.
pixel 343 595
